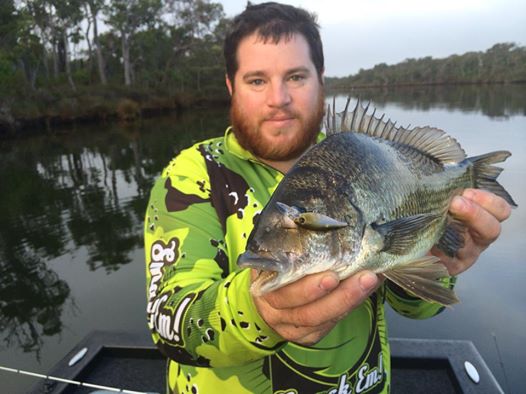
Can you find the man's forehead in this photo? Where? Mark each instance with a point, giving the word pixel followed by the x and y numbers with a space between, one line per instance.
pixel 257 43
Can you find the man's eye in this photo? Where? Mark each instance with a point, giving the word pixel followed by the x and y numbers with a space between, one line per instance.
pixel 297 77
pixel 257 82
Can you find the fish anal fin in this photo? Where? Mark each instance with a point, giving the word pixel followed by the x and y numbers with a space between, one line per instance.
pixel 421 278
pixel 453 238
pixel 399 235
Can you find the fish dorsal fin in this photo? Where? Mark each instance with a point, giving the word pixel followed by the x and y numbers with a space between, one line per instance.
pixel 431 141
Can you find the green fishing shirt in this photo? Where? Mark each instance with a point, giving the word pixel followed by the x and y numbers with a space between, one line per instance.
pixel 200 311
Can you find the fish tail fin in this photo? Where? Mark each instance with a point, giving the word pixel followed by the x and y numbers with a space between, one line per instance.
pixel 485 174
pixel 421 278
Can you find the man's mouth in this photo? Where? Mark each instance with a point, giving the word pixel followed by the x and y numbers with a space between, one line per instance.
pixel 279 121
pixel 280 116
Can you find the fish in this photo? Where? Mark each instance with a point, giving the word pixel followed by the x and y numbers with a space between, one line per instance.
pixel 371 196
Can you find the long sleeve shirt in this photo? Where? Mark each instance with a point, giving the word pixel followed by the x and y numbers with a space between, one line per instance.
pixel 200 310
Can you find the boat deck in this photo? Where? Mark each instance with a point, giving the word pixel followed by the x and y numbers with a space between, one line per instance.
pixel 130 361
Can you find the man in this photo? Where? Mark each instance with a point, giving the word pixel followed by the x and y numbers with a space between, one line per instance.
pixel 318 334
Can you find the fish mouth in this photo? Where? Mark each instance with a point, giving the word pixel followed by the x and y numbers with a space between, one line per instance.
pixel 261 260
pixel 264 281
pixel 268 269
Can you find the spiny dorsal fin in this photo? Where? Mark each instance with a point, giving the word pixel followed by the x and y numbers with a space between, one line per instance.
pixel 428 140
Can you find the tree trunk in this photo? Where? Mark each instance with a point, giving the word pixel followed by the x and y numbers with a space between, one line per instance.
pixel 89 42
pixel 33 78
pixel 66 61
pixel 45 60
pixel 126 59
pixel 100 59
pixel 56 62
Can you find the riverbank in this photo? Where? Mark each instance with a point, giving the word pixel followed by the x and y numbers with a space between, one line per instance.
pixel 47 110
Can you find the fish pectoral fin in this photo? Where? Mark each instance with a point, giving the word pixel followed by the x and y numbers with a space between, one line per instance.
pixel 399 235
pixel 318 221
pixel 421 278
pixel 453 238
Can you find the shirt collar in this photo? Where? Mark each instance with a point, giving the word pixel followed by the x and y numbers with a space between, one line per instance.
pixel 233 146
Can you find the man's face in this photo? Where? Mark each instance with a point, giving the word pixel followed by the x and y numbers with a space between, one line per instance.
pixel 277 98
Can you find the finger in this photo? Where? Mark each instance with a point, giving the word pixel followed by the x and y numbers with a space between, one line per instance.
pixel 483 226
pixel 303 291
pixel 492 203
pixel 348 295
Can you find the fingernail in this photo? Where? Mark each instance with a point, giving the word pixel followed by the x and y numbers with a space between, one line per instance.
pixel 368 281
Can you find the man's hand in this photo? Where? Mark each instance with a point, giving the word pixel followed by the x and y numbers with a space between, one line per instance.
pixel 306 310
pixel 481 212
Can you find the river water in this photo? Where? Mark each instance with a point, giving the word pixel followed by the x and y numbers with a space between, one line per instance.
pixel 72 203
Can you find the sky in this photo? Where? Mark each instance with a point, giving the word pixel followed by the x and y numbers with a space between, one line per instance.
pixel 359 34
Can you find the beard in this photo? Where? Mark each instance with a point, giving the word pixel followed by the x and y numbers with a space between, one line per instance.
pixel 249 135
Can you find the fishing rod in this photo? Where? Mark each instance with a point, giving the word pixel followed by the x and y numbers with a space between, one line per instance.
pixel 68 381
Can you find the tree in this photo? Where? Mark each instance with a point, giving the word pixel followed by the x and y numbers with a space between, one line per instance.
pixel 67 18
pixel 192 24
pixel 19 46
pixel 9 28
pixel 128 17
pixel 93 8
pixel 55 22
pixel 8 24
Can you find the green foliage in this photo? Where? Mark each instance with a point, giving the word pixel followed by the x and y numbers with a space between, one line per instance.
pixel 7 74
pixel 59 62
pixel 504 62
pixel 8 24
pixel 162 44
pixel 164 49
pixel 128 109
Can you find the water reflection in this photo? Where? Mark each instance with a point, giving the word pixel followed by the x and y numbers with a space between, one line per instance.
pixel 71 190
pixel 492 100
pixel 31 303
pixel 32 231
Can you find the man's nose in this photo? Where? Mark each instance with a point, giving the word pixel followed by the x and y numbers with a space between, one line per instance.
pixel 278 95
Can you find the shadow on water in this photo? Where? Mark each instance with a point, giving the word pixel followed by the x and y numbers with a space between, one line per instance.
pixel 491 100
pixel 82 188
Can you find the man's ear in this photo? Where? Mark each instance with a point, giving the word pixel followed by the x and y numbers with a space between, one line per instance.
pixel 228 85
